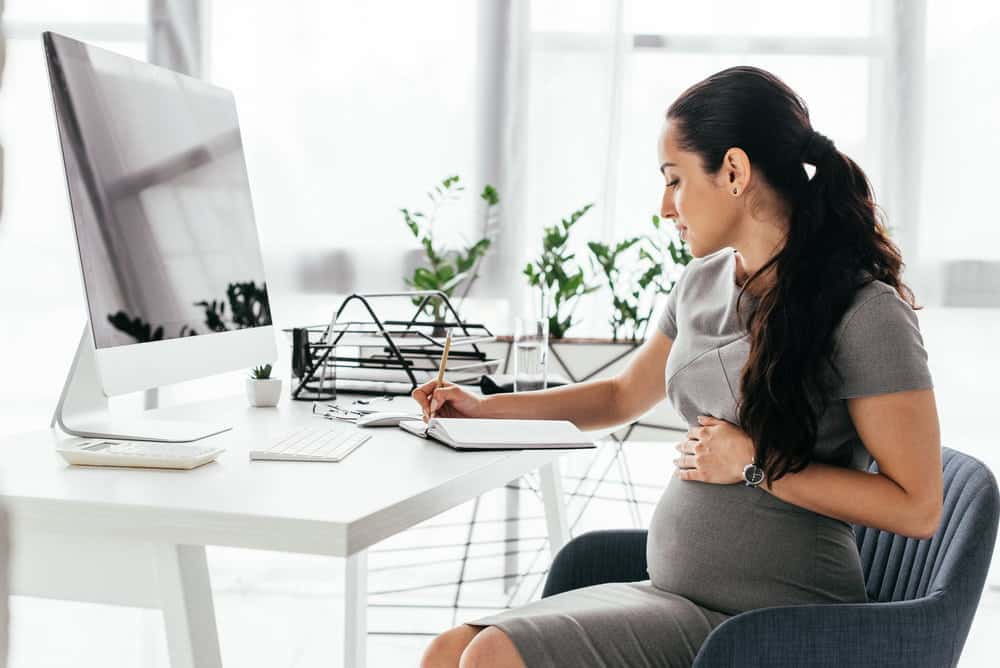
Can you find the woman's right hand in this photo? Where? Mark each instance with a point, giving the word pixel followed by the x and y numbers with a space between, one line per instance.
pixel 448 400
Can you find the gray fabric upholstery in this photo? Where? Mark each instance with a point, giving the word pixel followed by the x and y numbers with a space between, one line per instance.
pixel 923 593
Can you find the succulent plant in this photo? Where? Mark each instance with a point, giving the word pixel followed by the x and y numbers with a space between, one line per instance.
pixel 261 372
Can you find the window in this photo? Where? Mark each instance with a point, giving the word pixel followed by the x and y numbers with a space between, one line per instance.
pixel 349 111
pixel 957 192
pixel 601 79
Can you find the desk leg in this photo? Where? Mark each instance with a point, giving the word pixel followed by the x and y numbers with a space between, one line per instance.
pixel 512 497
pixel 355 609
pixel 555 506
pixel 188 611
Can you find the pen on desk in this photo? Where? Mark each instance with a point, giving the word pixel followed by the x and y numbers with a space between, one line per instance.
pixel 444 363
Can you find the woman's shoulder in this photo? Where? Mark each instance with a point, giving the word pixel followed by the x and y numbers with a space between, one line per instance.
pixel 876 306
pixel 872 290
pixel 705 269
pixel 879 348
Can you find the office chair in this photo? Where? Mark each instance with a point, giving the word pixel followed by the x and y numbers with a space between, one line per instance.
pixel 922 594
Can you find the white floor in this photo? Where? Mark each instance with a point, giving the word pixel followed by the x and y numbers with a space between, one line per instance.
pixel 282 611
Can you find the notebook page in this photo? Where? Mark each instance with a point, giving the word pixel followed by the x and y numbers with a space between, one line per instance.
pixel 415 427
pixel 510 432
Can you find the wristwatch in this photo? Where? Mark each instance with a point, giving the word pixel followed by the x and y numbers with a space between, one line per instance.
pixel 753 475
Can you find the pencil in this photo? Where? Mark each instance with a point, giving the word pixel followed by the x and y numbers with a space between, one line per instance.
pixel 444 363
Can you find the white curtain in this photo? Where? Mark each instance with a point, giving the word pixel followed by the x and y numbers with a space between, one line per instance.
pixel 955 197
pixel 558 138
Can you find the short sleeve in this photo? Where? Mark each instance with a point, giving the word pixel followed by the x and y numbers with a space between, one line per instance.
pixel 667 322
pixel 880 349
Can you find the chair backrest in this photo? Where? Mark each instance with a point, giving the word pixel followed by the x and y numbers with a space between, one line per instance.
pixel 955 560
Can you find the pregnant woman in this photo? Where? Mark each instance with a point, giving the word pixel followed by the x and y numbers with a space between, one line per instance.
pixel 791 348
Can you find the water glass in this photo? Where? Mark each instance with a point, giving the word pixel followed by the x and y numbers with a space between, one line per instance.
pixel 531 353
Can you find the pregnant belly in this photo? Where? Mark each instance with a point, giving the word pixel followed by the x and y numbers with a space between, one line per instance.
pixel 733 548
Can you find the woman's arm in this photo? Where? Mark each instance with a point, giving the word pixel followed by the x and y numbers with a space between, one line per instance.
pixel 902 433
pixel 596 404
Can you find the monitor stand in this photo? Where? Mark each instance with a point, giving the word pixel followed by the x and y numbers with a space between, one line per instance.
pixel 83 408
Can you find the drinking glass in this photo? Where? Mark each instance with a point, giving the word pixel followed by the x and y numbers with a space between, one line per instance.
pixel 531 353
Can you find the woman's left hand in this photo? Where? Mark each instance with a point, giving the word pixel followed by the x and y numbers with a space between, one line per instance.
pixel 715 452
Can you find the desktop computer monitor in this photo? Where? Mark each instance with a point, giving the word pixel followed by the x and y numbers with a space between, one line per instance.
pixel 168 245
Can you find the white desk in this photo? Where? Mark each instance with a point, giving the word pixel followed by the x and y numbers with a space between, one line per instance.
pixel 137 537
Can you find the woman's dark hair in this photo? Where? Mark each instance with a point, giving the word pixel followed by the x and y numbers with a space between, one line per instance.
pixel 836 243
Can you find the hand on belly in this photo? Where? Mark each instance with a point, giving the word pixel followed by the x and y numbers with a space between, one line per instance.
pixel 714 452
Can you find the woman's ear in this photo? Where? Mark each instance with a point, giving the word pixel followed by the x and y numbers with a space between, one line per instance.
pixel 736 171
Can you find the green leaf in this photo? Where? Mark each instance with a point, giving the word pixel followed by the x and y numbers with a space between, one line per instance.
pixel 626 244
pixel 429 249
pixel 444 273
pixel 411 223
pixel 480 247
pixel 490 195
pixel 424 279
pixel 598 249
pixel 574 283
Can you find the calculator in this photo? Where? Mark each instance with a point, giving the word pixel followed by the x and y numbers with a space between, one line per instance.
pixel 143 454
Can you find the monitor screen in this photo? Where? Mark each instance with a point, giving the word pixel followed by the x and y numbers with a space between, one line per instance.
pixel 160 197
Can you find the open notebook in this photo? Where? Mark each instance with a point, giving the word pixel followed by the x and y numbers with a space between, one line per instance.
pixel 492 434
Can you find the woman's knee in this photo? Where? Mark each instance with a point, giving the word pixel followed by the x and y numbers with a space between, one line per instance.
pixel 446 649
pixel 491 647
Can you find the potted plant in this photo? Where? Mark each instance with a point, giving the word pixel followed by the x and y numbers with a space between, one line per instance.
pixel 637 272
pixel 558 275
pixel 634 272
pixel 248 307
pixel 262 390
pixel 445 269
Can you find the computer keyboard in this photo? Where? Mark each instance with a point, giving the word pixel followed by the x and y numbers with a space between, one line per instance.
pixel 142 454
pixel 327 442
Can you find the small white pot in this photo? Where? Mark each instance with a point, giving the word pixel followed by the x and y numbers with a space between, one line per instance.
pixel 263 392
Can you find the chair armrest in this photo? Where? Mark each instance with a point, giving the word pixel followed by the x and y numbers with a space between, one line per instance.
pixel 911 634
pixel 597 557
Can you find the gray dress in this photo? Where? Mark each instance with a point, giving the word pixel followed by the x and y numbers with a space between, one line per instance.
pixel 717 550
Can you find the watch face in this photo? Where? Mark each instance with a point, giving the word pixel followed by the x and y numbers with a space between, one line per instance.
pixel 753 474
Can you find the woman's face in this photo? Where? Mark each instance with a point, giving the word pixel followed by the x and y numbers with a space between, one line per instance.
pixel 701 204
